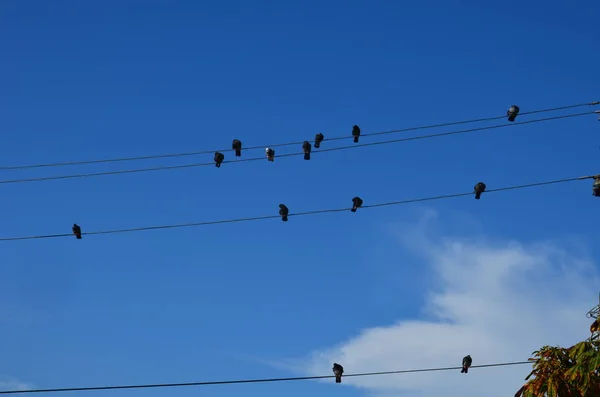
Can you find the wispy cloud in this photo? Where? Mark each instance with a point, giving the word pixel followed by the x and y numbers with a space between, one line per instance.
pixel 495 300
pixel 10 383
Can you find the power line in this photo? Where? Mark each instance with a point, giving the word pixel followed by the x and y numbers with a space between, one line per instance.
pixel 238 381
pixel 359 145
pixel 158 156
pixel 257 218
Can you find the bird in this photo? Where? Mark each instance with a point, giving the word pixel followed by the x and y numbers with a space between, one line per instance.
pixel 596 186
pixel 338 370
pixel 479 188
pixel 306 148
pixel 595 327
pixel 237 146
pixel 356 133
pixel 512 112
pixel 219 157
pixel 318 139
pixel 77 231
pixel 270 154
pixel 466 363
pixel 356 203
pixel 283 212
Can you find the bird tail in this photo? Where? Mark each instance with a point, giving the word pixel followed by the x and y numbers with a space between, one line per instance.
pixel 477 196
pixel 271 159
pixel 284 218
pixel 306 156
pixel 218 165
pixel 465 370
pixel 317 145
pixel 353 209
pixel 78 237
pixel 511 118
pixel 355 138
pixel 238 153
pixel 338 379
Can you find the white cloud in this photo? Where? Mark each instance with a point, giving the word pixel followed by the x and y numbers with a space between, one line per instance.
pixel 497 301
pixel 10 383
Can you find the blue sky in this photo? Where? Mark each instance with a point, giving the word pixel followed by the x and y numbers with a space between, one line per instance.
pixel 83 80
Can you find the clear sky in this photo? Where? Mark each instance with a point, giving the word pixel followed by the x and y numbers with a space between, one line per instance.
pixel 382 289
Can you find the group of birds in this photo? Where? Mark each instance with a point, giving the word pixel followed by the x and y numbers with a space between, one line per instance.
pixel 338 370
pixel 357 202
pixel 236 145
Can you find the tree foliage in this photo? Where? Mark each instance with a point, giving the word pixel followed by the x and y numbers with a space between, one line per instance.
pixel 564 372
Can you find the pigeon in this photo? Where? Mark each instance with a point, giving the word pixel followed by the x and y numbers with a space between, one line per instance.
pixel 318 139
pixel 466 363
pixel 356 203
pixel 479 188
pixel 306 148
pixel 512 112
pixel 219 157
pixel 338 370
pixel 77 231
pixel 356 133
pixel 270 154
pixel 237 146
pixel 283 212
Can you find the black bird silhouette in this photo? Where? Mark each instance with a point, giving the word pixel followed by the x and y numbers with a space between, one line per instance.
pixel 219 157
pixel 318 139
pixel 338 371
pixel 237 146
pixel 479 188
pixel 356 203
pixel 306 148
pixel 466 363
pixel 512 112
pixel 270 154
pixel 356 133
pixel 77 231
pixel 283 212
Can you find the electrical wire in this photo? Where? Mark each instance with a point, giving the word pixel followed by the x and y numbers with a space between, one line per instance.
pixel 238 381
pixel 354 146
pixel 257 218
pixel 158 156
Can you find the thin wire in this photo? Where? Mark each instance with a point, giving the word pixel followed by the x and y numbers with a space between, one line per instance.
pixel 158 156
pixel 257 218
pixel 229 382
pixel 354 146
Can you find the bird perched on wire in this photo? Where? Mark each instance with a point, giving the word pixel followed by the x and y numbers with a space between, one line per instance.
pixel 466 364
pixel 306 149
pixel 596 186
pixel 512 112
pixel 356 133
pixel 270 154
pixel 338 371
pixel 219 157
pixel 283 212
pixel 356 203
pixel 318 139
pixel 479 188
pixel 595 327
pixel 237 146
pixel 76 231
